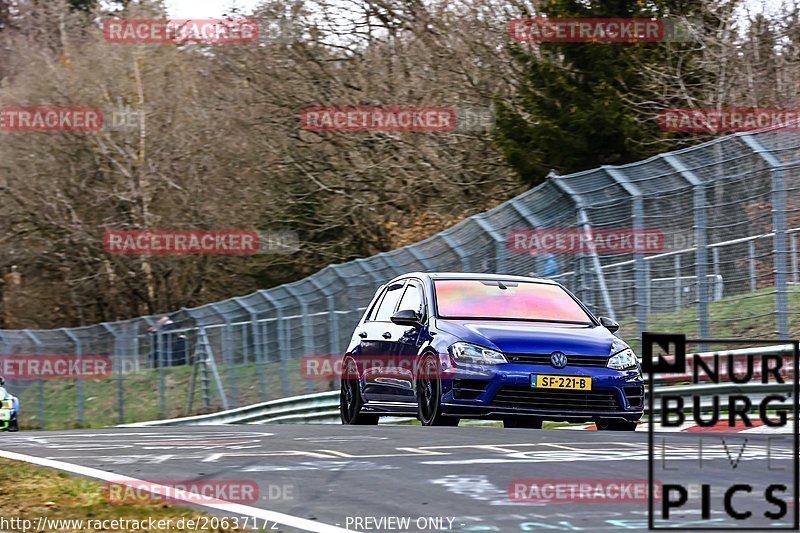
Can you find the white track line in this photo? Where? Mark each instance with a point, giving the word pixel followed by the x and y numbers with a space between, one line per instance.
pixel 195 499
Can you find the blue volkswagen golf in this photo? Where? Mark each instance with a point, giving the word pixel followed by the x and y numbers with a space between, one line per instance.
pixel 448 346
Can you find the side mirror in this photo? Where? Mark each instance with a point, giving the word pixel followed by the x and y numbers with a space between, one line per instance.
pixel 609 324
pixel 406 317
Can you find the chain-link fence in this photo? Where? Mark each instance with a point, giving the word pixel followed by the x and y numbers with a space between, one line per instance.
pixel 727 219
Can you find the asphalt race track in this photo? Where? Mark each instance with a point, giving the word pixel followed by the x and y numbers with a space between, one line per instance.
pixel 442 479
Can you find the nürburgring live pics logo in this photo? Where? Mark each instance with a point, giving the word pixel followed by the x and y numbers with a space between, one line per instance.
pixel 713 478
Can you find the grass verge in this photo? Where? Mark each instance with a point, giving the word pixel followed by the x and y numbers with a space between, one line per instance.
pixel 31 492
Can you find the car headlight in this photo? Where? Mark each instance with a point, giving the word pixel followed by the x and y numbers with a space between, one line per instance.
pixel 464 352
pixel 624 360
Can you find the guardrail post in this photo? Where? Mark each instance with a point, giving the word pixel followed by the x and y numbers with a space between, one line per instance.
pixel 39 382
pixel 779 228
pixel 78 380
pixel 701 241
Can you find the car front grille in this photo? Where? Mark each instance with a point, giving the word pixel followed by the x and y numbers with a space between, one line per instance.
pixel 544 359
pixel 635 396
pixel 556 399
pixel 468 389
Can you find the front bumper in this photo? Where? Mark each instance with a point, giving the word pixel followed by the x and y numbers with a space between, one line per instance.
pixel 505 390
pixel 7 420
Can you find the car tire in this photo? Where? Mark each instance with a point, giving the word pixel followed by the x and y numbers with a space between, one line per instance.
pixel 429 395
pixel 615 425
pixel 350 400
pixel 528 422
pixel 13 425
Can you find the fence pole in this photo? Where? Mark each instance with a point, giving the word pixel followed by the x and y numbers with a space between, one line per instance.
pixel 333 319
pixel 116 358
pixel 305 319
pixel 751 254
pixel 779 228
pixel 39 382
pixel 701 241
pixel 78 380
pixel 258 349
pixel 583 221
pixel 281 343
pixel 453 245
pixel 500 243
pixel 388 258
pixel 678 288
pixel 227 355
pixel 640 266
pixel 794 258
pixel 423 260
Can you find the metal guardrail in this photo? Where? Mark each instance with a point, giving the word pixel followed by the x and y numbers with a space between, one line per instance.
pixel 323 408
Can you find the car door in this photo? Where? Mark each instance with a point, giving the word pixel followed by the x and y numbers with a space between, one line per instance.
pixel 376 346
pixel 407 341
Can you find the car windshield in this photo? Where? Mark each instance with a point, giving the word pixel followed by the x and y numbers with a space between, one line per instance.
pixel 507 300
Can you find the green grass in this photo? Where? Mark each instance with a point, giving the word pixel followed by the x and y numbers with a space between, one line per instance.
pixel 34 492
pixel 747 316
pixel 142 397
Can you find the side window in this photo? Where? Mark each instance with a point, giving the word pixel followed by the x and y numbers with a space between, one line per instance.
pixel 412 298
pixel 388 303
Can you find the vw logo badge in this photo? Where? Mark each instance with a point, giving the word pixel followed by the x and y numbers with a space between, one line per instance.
pixel 558 359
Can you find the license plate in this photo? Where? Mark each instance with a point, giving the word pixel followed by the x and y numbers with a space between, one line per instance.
pixel 560 382
pixel 5 414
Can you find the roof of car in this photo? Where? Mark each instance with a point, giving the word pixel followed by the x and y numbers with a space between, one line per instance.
pixel 473 275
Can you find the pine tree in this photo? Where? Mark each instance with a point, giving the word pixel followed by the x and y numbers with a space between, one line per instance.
pixel 572 110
